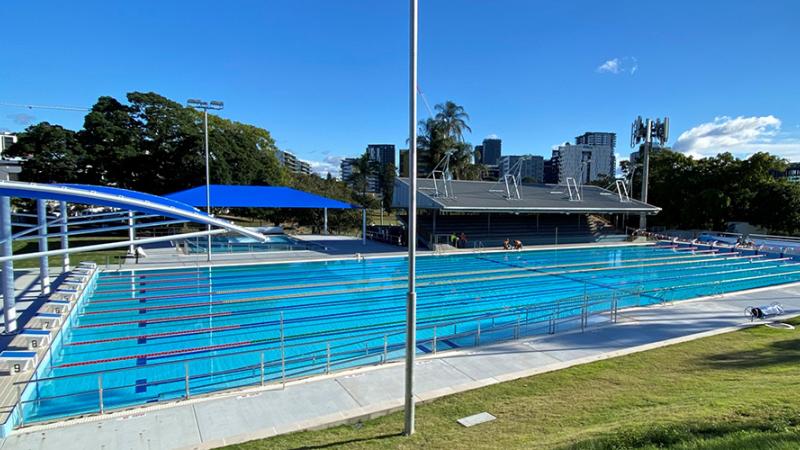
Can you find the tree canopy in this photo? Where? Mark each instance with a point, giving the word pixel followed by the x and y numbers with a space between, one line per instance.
pixel 710 192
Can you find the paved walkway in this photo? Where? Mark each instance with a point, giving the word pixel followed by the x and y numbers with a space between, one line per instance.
pixel 360 394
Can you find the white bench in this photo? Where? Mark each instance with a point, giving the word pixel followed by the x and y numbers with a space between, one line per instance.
pixel 34 339
pixel 18 361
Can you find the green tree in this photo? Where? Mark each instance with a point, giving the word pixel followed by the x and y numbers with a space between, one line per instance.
pixel 52 154
pixel 387 176
pixel 111 142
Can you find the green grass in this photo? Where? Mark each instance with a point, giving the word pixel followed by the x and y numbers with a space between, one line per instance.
pixel 30 246
pixel 737 390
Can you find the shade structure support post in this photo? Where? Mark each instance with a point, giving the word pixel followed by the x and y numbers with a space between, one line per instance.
pixel 44 264
pixel 325 221
pixel 363 226
pixel 131 234
pixel 411 299
pixel 64 230
pixel 9 301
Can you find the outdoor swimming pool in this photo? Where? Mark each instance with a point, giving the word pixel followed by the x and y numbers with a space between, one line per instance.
pixel 141 337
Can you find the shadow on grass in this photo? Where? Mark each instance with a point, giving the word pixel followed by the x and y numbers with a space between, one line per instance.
pixel 349 441
pixel 776 353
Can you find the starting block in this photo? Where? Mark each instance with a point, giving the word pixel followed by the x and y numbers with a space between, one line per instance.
pixel 34 339
pixel 46 320
pixel 69 296
pixel 56 306
pixel 18 361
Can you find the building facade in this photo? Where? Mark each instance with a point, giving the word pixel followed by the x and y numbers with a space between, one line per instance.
pixel 597 138
pixel 382 153
pixel 6 141
pixel 526 168
pixel 294 165
pixel 492 149
pixel 585 163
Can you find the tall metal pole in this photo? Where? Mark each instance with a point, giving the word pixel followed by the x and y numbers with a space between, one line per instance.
pixel 208 180
pixel 44 264
pixel 411 302
pixel 646 170
pixel 62 208
pixel 9 301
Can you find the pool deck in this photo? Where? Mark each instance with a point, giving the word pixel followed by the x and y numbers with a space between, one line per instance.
pixel 355 395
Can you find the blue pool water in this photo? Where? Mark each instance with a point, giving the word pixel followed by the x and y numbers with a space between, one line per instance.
pixel 241 244
pixel 139 334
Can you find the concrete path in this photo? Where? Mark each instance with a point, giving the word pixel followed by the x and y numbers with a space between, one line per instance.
pixel 360 394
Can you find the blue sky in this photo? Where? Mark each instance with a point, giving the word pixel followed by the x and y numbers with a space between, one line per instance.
pixel 329 77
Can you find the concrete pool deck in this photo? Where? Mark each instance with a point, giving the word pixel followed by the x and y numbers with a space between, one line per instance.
pixel 359 394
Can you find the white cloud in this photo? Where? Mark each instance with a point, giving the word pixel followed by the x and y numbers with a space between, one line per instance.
pixel 626 64
pixel 330 164
pixel 741 136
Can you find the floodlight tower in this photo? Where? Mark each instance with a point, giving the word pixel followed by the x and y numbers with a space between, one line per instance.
pixel 205 106
pixel 643 132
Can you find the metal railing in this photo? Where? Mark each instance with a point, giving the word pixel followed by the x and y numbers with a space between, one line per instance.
pixel 315 357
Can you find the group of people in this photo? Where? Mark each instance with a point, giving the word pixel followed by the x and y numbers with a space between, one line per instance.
pixel 507 244
pixel 458 241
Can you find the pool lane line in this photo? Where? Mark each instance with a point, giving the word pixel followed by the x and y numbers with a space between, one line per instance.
pixel 392 287
pixel 384 299
pixel 225 272
pixel 258 341
pixel 358 281
pixel 462 302
pixel 383 311
pixel 258 278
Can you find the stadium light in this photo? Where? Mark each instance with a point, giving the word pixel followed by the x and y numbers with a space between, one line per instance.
pixel 205 106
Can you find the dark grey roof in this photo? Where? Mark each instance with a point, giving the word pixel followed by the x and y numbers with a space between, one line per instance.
pixel 490 196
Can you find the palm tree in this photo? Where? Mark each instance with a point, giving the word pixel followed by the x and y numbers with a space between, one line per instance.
pixel 454 119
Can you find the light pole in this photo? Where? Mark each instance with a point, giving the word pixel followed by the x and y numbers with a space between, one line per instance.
pixel 411 300
pixel 205 106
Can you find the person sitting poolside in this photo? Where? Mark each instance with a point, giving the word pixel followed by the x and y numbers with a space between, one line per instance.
pixel 507 244
pixel 517 244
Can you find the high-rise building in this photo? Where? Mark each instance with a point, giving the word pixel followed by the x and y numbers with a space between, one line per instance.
pixel 550 170
pixel 6 141
pixel 423 164
pixel 382 153
pixel 346 168
pixel 526 168
pixel 585 163
pixel 478 154
pixel 294 165
pixel 597 138
pixel 635 157
pixel 492 150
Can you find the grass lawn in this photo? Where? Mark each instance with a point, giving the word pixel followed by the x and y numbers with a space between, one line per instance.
pixel 738 390
pixel 99 257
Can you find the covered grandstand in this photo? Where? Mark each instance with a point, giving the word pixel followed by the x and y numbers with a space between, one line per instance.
pixel 488 212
